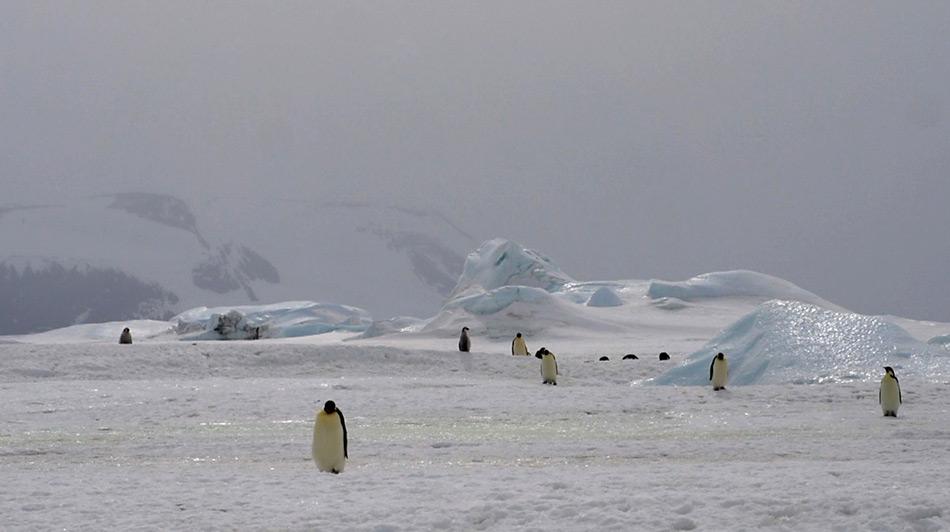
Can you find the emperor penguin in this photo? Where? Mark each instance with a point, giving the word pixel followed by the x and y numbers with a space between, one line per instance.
pixel 548 366
pixel 126 336
pixel 889 395
pixel 329 439
pixel 719 372
pixel 518 347
pixel 465 345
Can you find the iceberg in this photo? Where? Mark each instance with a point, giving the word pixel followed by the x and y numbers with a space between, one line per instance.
pixel 499 262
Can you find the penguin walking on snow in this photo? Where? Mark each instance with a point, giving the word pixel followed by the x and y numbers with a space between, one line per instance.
pixel 719 372
pixel 465 344
pixel 518 347
pixel 329 439
pixel 889 395
pixel 548 366
pixel 126 336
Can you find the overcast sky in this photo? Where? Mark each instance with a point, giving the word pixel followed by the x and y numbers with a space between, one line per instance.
pixel 624 139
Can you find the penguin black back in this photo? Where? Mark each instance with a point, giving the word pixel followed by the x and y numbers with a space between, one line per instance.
pixel 465 344
pixel 330 407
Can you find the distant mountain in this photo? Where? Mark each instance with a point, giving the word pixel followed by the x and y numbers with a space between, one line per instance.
pixel 141 255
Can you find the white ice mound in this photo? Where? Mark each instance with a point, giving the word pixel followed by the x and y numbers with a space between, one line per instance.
pixel 97 332
pixel 736 283
pixel 499 262
pixel 784 342
pixel 279 320
pixel 398 324
pixel 604 297
pixel 498 299
pixel 942 340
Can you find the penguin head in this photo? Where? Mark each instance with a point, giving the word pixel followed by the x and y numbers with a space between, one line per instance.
pixel 518 335
pixel 721 356
pixel 464 329
pixel 889 370
pixel 329 407
pixel 125 330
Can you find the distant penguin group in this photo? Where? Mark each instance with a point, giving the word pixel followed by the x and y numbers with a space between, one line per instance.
pixel 329 429
pixel 329 439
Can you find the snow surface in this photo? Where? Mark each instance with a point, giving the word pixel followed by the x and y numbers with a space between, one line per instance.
pixel 213 435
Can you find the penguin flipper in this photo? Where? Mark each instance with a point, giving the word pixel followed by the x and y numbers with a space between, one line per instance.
pixel 900 399
pixel 711 368
pixel 343 424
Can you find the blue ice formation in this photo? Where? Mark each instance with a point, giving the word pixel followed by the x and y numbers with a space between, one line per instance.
pixel 942 340
pixel 279 320
pixel 498 263
pixel 783 342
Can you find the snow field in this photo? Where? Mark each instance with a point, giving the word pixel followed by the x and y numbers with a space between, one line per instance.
pixel 216 436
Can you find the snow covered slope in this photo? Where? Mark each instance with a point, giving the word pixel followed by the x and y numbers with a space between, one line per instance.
pixel 144 255
pixel 738 283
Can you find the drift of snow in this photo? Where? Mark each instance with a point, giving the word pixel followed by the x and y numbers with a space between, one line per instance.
pixel 737 283
pixel 604 297
pixel 98 332
pixel 784 342
pixel 399 324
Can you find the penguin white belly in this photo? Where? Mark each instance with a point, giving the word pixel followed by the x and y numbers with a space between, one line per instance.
pixel 890 396
pixel 720 374
pixel 328 443
pixel 549 369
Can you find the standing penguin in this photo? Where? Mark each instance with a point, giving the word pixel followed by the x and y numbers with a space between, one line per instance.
pixel 329 439
pixel 126 336
pixel 518 347
pixel 548 366
pixel 889 395
pixel 465 345
pixel 719 372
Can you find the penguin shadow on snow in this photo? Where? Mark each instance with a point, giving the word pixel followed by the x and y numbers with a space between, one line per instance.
pixel 465 361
